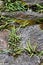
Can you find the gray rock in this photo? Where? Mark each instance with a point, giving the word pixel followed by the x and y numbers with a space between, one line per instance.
pixel 33 1
pixel 36 36
pixel 23 60
pixel 2 57
pixel 34 33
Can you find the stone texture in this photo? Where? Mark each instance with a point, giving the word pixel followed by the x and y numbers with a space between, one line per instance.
pixel 33 1
pixel 20 60
pixel 35 34
pixel 3 39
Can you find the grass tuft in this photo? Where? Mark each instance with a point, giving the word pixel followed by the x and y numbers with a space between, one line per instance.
pixel 33 50
pixel 14 43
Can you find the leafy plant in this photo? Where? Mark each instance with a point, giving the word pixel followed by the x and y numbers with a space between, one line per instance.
pixel 30 49
pixel 6 22
pixel 14 43
pixel 33 50
pixel 15 6
pixel 37 8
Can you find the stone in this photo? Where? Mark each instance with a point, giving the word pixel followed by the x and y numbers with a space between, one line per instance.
pixel 22 60
pixel 33 1
pixel 3 39
pixel 32 33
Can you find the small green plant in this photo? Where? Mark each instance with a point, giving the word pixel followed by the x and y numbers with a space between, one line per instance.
pixel 14 6
pixel 37 8
pixel 30 49
pixel 6 22
pixel 33 50
pixel 14 43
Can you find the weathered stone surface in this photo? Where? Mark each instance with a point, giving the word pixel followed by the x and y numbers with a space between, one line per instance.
pixel 27 15
pixel 3 39
pixel 20 60
pixel 37 37
pixel 2 58
pixel 35 34
pixel 33 1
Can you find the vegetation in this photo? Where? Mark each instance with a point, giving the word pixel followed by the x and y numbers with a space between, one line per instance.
pixel 36 8
pixel 15 48
pixel 14 6
pixel 33 50
pixel 6 22
pixel 14 43
pixel 18 5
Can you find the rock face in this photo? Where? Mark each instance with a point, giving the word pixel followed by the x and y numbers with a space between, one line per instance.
pixel 33 1
pixel 35 34
pixel 3 39
pixel 21 60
